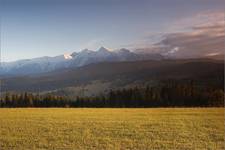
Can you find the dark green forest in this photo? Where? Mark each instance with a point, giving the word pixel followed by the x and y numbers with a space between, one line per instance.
pixel 166 94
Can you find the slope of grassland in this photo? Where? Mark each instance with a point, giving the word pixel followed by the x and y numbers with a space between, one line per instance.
pixel 172 128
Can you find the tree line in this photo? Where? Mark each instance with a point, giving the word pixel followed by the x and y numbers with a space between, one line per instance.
pixel 167 94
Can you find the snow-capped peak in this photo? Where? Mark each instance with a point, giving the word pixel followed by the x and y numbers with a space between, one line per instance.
pixel 86 51
pixel 76 59
pixel 67 56
pixel 103 49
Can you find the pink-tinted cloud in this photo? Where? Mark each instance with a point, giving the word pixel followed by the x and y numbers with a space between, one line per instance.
pixel 195 36
pixel 203 19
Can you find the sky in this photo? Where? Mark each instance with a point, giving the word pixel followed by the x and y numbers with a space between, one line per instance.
pixel 35 28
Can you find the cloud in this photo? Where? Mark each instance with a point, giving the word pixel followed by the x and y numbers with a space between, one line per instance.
pixel 203 19
pixel 194 37
pixel 173 50
pixel 212 54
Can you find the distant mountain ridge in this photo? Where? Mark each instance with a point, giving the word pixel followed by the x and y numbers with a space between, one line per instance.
pixel 76 59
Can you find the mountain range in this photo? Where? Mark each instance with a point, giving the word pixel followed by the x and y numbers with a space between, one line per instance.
pixel 88 73
pixel 74 60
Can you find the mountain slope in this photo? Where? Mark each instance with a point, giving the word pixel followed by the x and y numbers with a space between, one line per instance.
pixel 120 74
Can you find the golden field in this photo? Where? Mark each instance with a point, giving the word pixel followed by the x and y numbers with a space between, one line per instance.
pixel 153 128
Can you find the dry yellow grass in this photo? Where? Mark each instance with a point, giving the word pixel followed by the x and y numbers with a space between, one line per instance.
pixel 172 128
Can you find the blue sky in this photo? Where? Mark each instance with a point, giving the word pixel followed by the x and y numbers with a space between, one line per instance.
pixel 34 28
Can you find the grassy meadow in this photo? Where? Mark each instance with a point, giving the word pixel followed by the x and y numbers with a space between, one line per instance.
pixel 163 128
